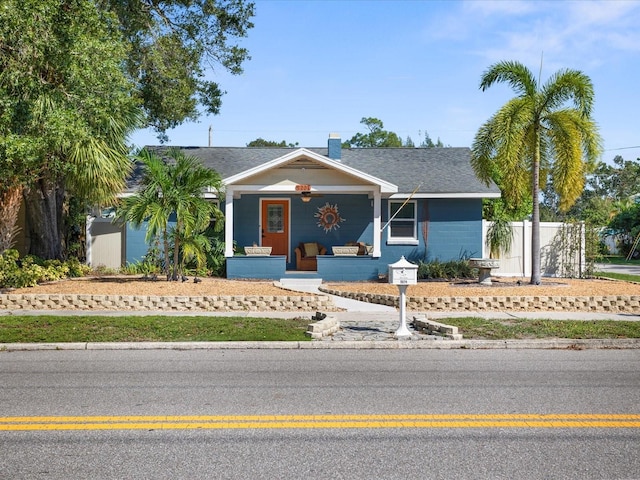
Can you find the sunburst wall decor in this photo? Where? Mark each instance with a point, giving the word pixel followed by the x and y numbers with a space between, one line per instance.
pixel 328 217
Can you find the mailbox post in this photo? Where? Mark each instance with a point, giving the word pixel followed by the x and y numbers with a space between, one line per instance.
pixel 403 274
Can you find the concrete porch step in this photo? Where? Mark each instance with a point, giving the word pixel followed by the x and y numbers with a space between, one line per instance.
pixel 293 282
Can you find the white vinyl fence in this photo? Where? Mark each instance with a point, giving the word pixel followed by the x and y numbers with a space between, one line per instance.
pixel 562 250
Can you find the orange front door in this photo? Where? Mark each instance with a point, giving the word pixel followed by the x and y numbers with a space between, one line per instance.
pixel 275 226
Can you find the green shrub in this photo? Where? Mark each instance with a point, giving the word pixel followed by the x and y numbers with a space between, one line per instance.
pixel 437 270
pixel 216 261
pixel 102 270
pixel 144 267
pixel 30 270
pixel 77 268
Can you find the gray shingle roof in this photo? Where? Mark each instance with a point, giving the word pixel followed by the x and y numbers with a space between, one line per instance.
pixel 438 170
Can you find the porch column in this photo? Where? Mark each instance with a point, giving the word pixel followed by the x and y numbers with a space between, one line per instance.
pixel 228 223
pixel 377 234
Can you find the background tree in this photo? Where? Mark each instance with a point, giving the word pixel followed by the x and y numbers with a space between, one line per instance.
pixel 174 187
pixel 172 43
pixel 428 143
pixel 73 74
pixel 609 189
pixel 377 137
pixel 618 181
pixel 65 110
pixel 261 142
pixel 626 225
pixel 543 134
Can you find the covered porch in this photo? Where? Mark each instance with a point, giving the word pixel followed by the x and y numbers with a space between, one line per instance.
pixel 303 199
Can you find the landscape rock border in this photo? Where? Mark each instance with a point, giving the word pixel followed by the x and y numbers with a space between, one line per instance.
pixel 305 303
pixel 223 303
pixel 535 303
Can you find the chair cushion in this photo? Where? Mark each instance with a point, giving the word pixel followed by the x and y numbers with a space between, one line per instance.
pixel 311 249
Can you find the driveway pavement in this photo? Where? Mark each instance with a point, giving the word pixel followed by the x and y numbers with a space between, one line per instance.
pixel 608 267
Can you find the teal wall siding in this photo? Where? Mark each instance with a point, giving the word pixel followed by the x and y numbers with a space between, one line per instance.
pixel 350 269
pixel 246 221
pixel 355 210
pixel 271 268
pixel 455 229
pixel 136 247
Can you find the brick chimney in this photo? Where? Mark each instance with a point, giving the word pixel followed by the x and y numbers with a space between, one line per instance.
pixel 334 146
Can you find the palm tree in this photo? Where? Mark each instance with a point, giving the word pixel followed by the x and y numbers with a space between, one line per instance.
pixel 173 187
pixel 543 134
pixel 499 237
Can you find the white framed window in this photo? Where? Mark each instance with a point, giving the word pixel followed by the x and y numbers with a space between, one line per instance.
pixel 403 229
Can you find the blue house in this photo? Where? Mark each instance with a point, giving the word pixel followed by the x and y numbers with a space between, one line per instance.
pixel 307 204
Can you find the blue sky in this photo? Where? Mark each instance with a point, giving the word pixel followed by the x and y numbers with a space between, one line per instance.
pixel 321 66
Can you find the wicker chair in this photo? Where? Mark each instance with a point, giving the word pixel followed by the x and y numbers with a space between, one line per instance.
pixel 304 261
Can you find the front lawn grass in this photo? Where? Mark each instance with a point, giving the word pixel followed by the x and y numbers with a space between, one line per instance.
pixel 619 276
pixel 54 329
pixel 51 328
pixel 490 329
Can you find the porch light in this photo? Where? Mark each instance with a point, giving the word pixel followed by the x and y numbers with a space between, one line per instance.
pixel 305 196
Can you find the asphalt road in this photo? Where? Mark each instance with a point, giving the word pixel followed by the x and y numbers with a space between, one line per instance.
pixel 320 414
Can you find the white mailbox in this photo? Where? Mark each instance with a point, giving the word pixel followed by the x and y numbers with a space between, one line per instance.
pixel 403 272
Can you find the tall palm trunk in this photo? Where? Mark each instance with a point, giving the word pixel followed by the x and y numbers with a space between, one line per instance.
pixel 176 249
pixel 44 202
pixel 10 199
pixel 165 241
pixel 535 216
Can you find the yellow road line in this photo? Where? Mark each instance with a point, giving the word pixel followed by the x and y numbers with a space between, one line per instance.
pixel 187 422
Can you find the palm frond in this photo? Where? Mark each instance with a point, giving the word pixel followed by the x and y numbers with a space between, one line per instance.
pixel 100 170
pixel 568 86
pixel 519 77
pixel 567 132
pixel 499 150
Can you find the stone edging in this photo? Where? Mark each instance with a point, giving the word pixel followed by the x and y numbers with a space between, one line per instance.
pixel 258 303
pixel 554 303
pixel 423 324
pixel 323 328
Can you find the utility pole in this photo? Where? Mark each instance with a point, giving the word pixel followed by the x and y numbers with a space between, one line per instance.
pixel 210 129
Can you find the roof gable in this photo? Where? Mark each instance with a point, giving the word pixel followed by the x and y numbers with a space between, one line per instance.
pixel 303 158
